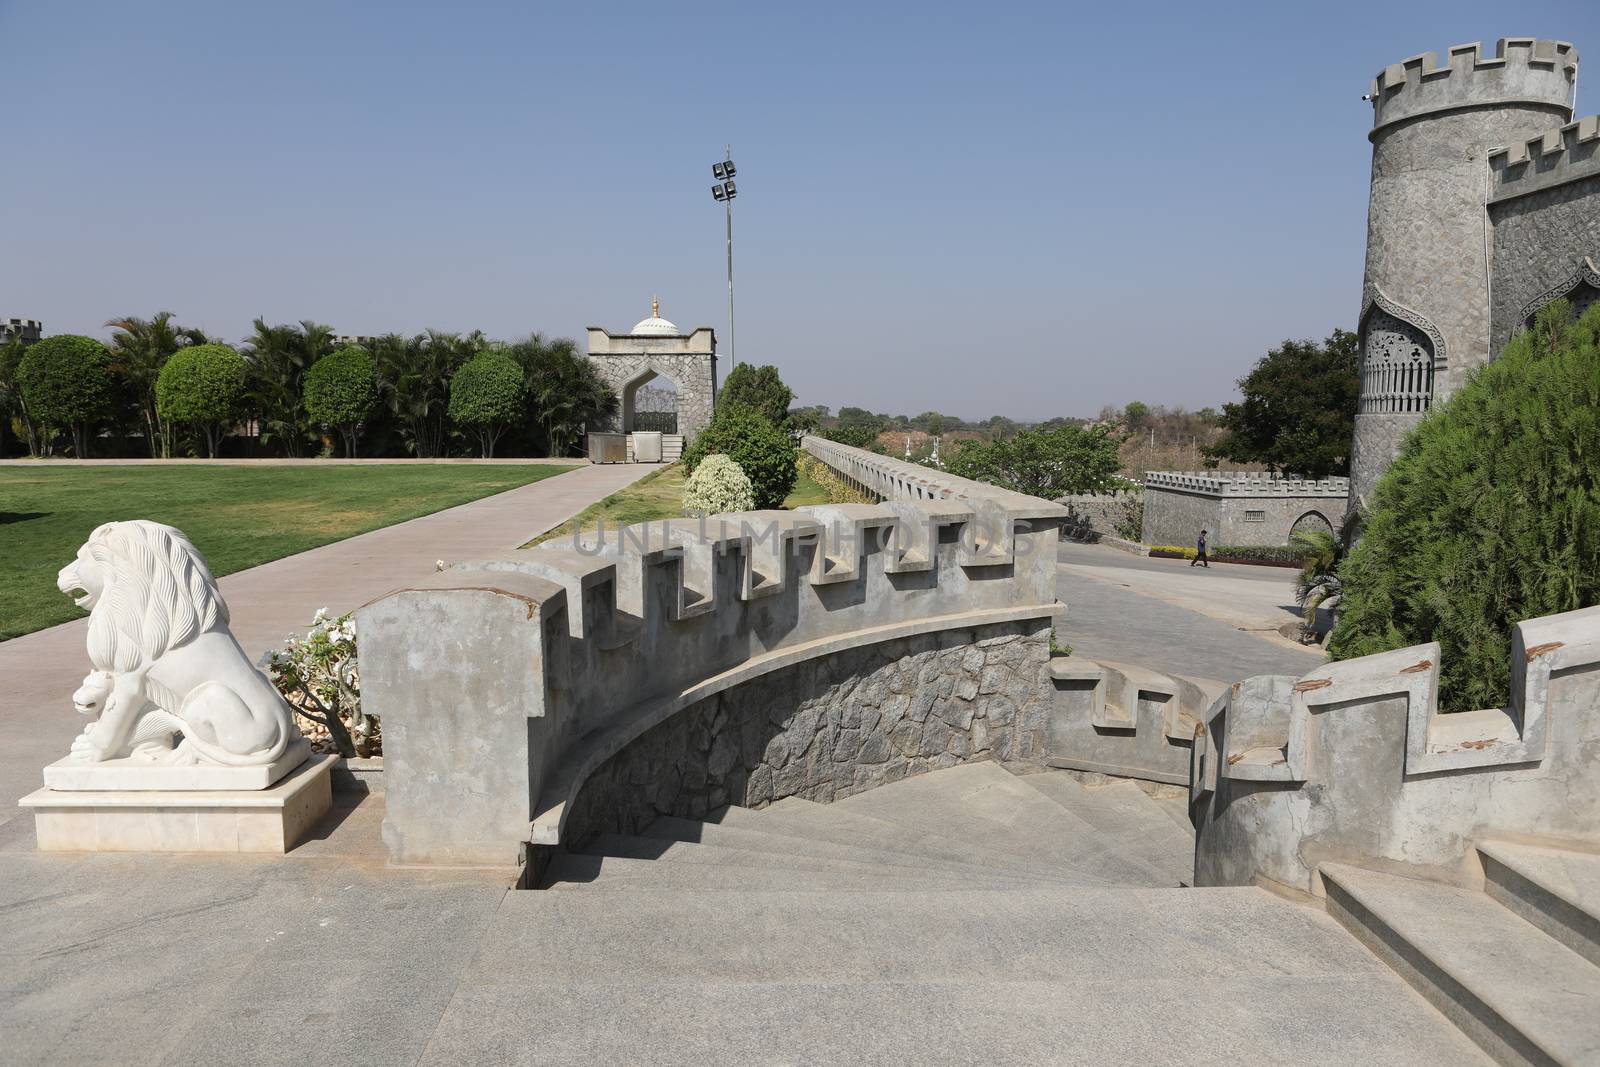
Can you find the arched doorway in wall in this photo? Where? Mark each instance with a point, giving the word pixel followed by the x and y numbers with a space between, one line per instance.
pixel 650 402
pixel 1311 521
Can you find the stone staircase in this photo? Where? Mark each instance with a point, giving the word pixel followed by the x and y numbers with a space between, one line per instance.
pixel 969 827
pixel 969 914
pixel 1516 965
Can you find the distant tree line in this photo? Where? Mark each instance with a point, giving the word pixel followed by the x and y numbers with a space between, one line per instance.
pixel 164 390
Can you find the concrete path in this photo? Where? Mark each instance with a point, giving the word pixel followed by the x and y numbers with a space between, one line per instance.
pixel 40 670
pixel 1162 614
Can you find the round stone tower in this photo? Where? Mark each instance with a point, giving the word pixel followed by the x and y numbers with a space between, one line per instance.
pixel 1425 301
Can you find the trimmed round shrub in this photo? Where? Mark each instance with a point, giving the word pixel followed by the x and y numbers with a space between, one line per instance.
pixel 202 386
pixel 340 390
pixel 766 454
pixel 486 395
pixel 66 383
pixel 1491 515
pixel 716 487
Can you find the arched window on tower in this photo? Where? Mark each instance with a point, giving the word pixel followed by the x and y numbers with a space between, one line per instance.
pixel 1396 366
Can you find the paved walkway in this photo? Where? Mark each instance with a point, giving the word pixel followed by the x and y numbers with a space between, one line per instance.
pixel 1216 624
pixel 40 670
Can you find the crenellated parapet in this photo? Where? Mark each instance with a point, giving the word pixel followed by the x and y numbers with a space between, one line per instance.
pixel 1246 483
pixel 1356 763
pixel 1557 156
pixel 1125 720
pixel 505 685
pixel 28 330
pixel 1522 70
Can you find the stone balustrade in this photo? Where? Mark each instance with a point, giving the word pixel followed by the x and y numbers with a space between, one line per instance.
pixel 1355 763
pixel 669 667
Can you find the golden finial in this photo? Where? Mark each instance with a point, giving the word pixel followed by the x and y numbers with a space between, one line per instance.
pixel 655 308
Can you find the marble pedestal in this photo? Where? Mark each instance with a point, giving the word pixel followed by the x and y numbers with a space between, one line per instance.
pixel 138 775
pixel 271 820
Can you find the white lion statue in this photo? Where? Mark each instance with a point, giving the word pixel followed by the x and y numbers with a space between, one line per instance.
pixel 165 663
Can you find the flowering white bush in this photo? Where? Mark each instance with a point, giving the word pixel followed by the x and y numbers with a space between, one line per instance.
pixel 717 485
pixel 319 676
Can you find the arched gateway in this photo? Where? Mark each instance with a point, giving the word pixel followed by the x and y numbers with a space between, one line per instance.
pixel 639 366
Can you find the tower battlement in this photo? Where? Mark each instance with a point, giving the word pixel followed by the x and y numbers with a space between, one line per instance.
pixel 1566 153
pixel 30 330
pixel 1522 70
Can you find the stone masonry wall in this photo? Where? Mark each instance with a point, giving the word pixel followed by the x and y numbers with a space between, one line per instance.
pixel 1091 516
pixel 1540 242
pixel 1175 516
pixel 828 728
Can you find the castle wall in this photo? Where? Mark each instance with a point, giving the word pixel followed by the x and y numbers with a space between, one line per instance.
pixel 1545 208
pixel 1236 509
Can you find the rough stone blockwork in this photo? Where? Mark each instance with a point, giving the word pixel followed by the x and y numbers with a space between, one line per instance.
pixel 826 729
pixel 1091 516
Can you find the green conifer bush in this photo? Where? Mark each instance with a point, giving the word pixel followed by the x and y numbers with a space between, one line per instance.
pixel 1491 514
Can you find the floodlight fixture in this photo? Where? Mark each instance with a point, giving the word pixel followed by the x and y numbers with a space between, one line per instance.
pixel 723 193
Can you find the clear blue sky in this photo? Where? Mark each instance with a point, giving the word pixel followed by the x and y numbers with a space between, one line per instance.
pixel 1026 209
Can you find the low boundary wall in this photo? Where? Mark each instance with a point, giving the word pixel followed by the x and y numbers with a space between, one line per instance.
pixel 1237 509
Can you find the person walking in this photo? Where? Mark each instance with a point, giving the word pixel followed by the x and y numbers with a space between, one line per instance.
pixel 1200 553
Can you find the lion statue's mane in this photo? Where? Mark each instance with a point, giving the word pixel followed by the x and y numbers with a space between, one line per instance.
pixel 158 595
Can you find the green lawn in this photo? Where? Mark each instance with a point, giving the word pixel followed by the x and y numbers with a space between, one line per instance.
pixel 659 495
pixel 237 516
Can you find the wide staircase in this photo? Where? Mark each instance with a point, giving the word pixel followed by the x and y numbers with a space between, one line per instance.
pixel 974 914
pixel 971 827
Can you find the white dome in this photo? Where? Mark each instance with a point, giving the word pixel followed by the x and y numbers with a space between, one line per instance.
pixel 655 325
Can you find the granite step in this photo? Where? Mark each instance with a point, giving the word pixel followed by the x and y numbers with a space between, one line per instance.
pixel 1221 977
pixel 576 872
pixel 1522 995
pixel 1554 888
pixel 808 820
pixel 1177 809
pixel 983 802
pixel 669 851
pixel 1125 812
pixel 747 830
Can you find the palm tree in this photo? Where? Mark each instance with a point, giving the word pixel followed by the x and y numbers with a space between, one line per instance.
pixel 278 358
pixel 565 392
pixel 139 349
pixel 1321 553
pixel 414 379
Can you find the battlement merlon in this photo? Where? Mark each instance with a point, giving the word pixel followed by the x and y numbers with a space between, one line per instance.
pixel 1564 154
pixel 1523 70
pixel 1246 484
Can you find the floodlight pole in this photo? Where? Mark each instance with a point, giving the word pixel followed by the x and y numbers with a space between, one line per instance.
pixel 733 352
